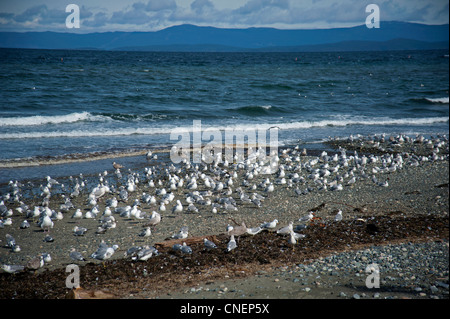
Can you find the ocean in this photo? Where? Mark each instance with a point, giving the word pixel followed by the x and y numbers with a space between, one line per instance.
pixel 61 105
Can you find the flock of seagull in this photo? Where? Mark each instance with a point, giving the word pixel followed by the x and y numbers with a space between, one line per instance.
pixel 219 186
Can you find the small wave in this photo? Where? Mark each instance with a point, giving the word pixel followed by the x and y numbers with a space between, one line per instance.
pixel 255 109
pixel 443 100
pixel 237 127
pixel 44 120
pixel 364 121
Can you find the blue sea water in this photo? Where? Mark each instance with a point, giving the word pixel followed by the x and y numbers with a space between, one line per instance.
pixel 59 104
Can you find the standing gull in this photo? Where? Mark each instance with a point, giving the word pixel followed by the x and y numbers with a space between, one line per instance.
pixel 117 165
pixel 338 216
pixel 178 208
pixel 154 219
pixel 46 223
pixel 231 244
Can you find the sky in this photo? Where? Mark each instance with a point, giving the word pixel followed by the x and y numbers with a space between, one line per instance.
pixel 153 15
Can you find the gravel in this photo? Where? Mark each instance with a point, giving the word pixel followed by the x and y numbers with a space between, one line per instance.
pixel 343 276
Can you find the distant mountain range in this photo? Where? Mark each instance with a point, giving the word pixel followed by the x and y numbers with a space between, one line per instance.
pixel 390 36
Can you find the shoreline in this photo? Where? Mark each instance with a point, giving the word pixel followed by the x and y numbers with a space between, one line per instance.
pixel 414 193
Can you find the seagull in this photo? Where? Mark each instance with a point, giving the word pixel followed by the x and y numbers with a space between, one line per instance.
pixel 209 244
pixel 306 218
pixel 300 227
pixel 253 231
pixel 338 216
pixel 48 239
pixel 104 252
pixel 47 258
pixel 286 230
pixel 186 249
pixel 292 239
pixel 178 208
pixel 75 255
pixel 146 232
pixel 46 223
pixel 79 231
pixel 52 181
pixel 231 244
pixel 78 214
pixel 24 224
pixel 183 233
pixel 112 202
pixel 145 253
pixel 269 189
pixel 192 208
pixel 155 219
pixel 11 269
pixel 117 166
pixel 269 225
pixel 6 222
pixel 183 248
pixel 383 184
pixel 123 194
pixel 10 241
pixel 36 263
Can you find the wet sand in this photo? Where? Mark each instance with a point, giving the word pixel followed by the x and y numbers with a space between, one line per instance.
pixel 413 208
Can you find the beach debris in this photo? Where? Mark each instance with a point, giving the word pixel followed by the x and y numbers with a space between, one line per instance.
pixel 80 293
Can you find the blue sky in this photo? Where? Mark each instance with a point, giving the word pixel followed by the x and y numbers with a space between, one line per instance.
pixel 151 15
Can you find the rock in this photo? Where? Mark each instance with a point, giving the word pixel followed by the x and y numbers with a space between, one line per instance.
pixel 442 284
pixel 356 296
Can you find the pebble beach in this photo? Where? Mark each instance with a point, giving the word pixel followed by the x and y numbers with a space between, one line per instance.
pixel 392 193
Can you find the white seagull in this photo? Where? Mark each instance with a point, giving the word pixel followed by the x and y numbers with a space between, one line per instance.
pixel 231 244
pixel 269 225
pixel 338 216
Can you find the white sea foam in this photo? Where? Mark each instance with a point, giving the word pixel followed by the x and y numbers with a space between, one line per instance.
pixel 205 128
pixel 443 100
pixel 45 120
